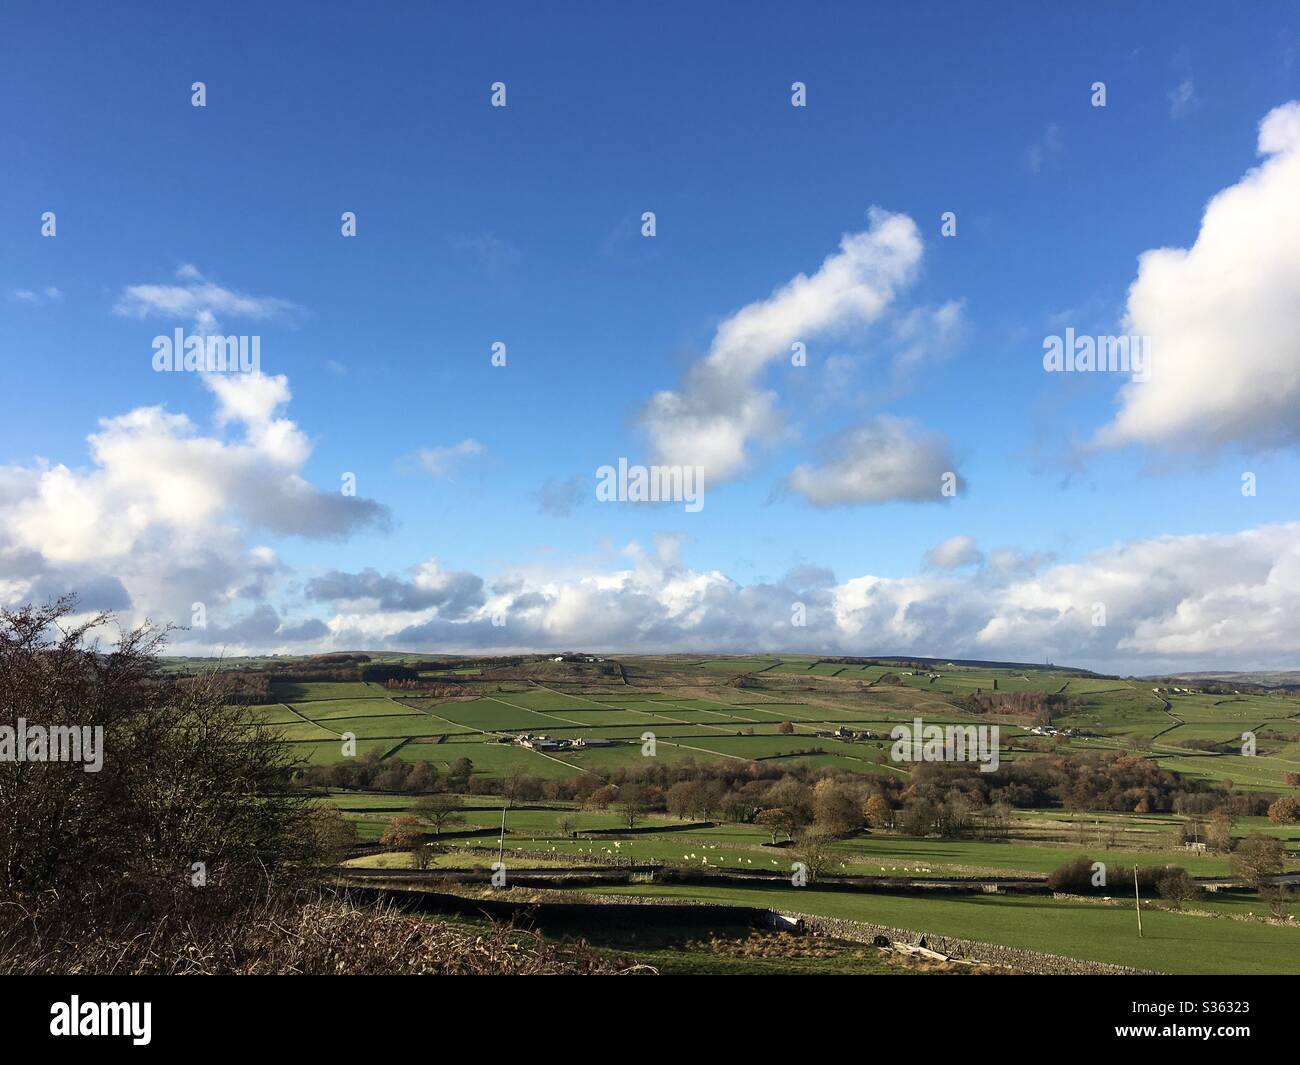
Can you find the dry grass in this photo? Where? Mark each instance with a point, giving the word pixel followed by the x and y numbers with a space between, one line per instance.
pixel 322 935
pixel 783 945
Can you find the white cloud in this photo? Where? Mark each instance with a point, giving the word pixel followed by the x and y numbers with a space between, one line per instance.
pixel 199 299
pixel 1046 148
pixel 1182 98
pixel 882 460
pixel 440 461
pixel 954 552
pixel 923 334
pixel 49 294
pixel 164 511
pixel 164 517
pixel 721 405
pixel 1221 601
pixel 1221 315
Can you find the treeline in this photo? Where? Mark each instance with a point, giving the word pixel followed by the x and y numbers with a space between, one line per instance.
pixel 245 687
pixel 437 688
pixel 941 798
pixel 474 663
pixel 241 689
pixel 255 686
pixel 938 798
pixel 371 772
pixel 1039 706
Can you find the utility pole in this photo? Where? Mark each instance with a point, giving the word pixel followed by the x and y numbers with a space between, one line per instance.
pixel 1137 898
pixel 501 851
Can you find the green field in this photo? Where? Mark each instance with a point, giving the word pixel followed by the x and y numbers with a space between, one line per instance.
pixel 697 713
pixel 1172 943
pixel 774 713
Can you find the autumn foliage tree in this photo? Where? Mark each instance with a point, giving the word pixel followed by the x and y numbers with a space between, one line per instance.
pixel 401 833
pixel 877 812
pixel 1286 811
pixel 835 808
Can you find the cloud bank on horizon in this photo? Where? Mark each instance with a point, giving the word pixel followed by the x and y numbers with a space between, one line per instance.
pixel 151 538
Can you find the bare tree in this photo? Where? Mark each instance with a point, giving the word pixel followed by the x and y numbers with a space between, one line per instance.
pixel 1218 836
pixel 813 848
pixel 778 820
pixel 442 809
pixel 1178 886
pixel 631 804
pixel 1278 899
pixel 1258 858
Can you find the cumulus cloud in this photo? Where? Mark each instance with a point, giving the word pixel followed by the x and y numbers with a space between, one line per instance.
pixel 1221 316
pixel 1190 598
pixel 261 627
pixel 161 516
pixel 879 461
pixel 953 553
pixel 151 536
pixel 440 461
pixel 721 404
pixel 1012 562
pixel 1167 602
pixel 452 594
pixel 1164 602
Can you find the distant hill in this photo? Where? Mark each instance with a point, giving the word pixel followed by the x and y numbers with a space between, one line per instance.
pixel 1287 678
pixel 429 659
pixel 968 663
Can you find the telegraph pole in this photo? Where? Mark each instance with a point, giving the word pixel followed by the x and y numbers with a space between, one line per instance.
pixel 501 851
pixel 1137 898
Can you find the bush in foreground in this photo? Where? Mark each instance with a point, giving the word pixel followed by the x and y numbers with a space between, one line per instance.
pixel 322 935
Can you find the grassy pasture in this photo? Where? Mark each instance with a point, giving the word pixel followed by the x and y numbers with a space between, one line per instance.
pixel 704 726
pixel 295 692
pixel 334 709
pixel 1173 943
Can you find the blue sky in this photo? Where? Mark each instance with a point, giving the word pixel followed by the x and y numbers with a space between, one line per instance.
pixel 522 225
